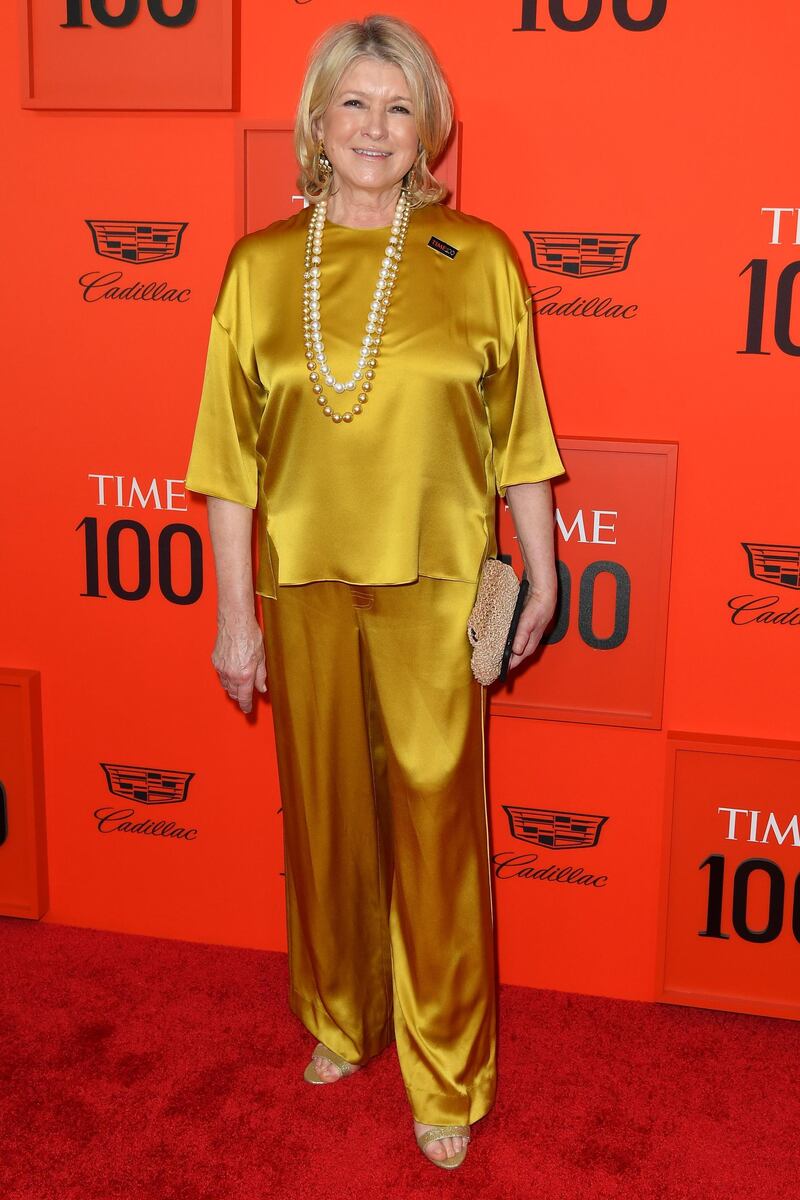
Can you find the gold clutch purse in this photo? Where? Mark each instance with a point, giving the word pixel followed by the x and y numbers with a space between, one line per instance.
pixel 494 618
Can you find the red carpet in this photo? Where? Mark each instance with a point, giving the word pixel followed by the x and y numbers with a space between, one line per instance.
pixel 136 1067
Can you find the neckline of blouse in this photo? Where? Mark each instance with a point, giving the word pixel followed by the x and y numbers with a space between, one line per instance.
pixel 357 228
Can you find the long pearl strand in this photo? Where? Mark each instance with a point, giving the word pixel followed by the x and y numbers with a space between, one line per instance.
pixel 318 367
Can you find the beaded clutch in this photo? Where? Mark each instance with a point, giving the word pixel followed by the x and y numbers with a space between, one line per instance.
pixel 494 618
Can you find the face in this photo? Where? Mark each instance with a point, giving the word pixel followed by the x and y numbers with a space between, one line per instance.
pixel 369 128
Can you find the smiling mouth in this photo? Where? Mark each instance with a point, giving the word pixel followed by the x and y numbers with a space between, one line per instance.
pixel 372 153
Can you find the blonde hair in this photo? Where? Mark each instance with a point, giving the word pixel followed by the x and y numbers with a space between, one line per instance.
pixel 390 40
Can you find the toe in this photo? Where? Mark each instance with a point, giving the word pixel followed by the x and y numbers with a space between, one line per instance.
pixel 440 1149
pixel 323 1067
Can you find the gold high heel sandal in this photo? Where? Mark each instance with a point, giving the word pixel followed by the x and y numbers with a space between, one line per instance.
pixel 436 1134
pixel 310 1074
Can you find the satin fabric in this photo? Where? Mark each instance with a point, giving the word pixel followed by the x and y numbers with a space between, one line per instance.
pixel 379 732
pixel 457 412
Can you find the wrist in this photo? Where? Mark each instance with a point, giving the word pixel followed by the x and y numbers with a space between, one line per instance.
pixel 235 613
pixel 545 594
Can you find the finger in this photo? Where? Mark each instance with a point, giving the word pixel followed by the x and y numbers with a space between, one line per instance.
pixel 521 640
pixel 244 696
pixel 526 652
pixel 520 652
pixel 261 676
pixel 230 686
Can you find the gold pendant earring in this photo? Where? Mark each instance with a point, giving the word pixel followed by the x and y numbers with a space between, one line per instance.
pixel 324 162
pixel 414 175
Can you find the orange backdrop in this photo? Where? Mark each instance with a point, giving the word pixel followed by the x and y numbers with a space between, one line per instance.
pixel 669 128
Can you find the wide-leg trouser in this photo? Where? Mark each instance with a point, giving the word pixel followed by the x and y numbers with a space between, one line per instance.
pixel 380 742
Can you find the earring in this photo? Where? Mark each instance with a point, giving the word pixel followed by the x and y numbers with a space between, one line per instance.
pixel 413 178
pixel 324 162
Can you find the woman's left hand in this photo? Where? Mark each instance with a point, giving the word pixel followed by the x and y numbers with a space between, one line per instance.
pixel 536 615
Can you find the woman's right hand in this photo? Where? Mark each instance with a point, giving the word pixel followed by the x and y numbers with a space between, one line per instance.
pixel 238 657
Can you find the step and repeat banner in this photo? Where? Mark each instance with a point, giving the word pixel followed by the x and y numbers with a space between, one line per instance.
pixel 644 765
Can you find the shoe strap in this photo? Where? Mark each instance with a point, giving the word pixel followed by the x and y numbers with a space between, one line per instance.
pixel 334 1058
pixel 442 1131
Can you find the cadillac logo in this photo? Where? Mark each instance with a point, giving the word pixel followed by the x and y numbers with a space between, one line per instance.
pixel 774 564
pixel 137 241
pixel 579 255
pixel 556 830
pixel 147 785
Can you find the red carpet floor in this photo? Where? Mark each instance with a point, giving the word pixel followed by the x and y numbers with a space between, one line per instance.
pixel 139 1068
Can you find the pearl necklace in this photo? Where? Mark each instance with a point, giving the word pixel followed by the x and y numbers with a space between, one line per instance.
pixel 316 362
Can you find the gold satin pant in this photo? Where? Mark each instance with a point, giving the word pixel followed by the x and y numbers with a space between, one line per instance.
pixel 379 731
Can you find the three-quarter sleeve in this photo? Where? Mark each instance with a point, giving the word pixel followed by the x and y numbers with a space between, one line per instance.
pixel 524 448
pixel 223 459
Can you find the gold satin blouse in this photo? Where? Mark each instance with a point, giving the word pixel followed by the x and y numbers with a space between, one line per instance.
pixel 456 414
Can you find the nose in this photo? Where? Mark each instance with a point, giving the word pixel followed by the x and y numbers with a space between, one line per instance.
pixel 375 124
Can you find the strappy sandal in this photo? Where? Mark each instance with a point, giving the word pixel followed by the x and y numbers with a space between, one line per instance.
pixel 310 1074
pixel 435 1135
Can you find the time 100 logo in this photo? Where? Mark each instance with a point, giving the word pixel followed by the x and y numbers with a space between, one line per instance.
pixel 776 901
pixel 128 14
pixel 105 571
pixel 529 19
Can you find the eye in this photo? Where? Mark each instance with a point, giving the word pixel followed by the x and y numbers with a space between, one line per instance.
pixel 402 108
pixel 352 101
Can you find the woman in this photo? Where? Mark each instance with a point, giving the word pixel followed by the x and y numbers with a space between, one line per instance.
pixel 373 454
